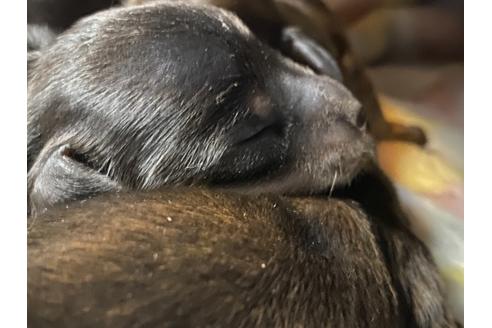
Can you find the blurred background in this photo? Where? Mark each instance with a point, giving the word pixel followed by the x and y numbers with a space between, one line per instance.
pixel 413 51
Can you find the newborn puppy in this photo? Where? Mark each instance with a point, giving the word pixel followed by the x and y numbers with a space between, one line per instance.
pixel 271 20
pixel 197 258
pixel 174 94
pixel 289 25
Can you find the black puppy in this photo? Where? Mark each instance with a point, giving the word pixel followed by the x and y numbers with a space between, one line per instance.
pixel 292 25
pixel 173 94
pixel 271 20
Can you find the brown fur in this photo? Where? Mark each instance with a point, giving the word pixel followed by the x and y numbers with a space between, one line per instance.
pixel 196 258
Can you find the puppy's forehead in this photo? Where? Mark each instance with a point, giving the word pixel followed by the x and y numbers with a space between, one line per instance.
pixel 175 28
pixel 229 20
pixel 166 43
pixel 192 16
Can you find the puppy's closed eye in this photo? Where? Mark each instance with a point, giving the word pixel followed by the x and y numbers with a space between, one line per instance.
pixel 255 128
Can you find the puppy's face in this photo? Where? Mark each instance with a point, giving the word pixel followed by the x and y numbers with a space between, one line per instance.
pixel 177 94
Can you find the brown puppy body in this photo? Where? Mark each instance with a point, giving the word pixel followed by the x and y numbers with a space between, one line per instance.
pixel 195 258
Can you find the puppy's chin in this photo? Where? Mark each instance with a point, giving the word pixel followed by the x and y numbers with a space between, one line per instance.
pixel 319 171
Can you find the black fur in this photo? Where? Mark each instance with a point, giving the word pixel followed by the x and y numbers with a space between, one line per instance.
pixel 270 19
pixel 172 94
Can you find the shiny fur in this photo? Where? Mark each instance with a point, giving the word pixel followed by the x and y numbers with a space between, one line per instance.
pixel 198 258
pixel 173 94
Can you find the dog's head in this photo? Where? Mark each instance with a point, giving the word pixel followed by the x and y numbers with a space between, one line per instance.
pixel 168 93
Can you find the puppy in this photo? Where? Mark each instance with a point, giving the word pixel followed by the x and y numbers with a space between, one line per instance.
pixel 286 130
pixel 199 258
pixel 289 25
pixel 272 21
pixel 173 94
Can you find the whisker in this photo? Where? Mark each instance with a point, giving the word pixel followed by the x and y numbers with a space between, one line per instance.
pixel 333 183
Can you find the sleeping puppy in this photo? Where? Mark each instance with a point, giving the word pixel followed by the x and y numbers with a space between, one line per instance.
pixel 174 94
pixel 199 258
pixel 288 25
pixel 285 25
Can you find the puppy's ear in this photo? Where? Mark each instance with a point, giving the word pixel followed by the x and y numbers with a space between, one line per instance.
pixel 60 174
pixel 305 50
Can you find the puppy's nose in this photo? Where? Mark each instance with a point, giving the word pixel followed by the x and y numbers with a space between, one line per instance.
pixel 361 118
pixel 334 97
pixel 353 112
pixel 318 97
pixel 340 131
